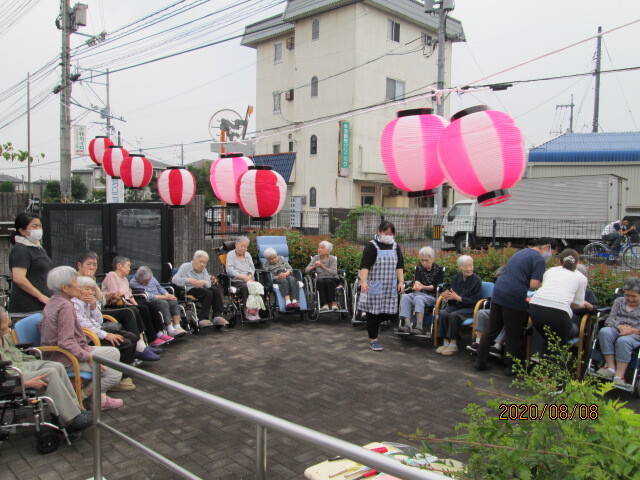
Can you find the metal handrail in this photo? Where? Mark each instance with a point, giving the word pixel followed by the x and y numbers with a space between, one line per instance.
pixel 262 420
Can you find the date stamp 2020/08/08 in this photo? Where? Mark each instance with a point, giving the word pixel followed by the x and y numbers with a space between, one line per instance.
pixel 553 411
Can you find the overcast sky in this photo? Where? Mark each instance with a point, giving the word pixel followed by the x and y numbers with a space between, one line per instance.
pixel 170 102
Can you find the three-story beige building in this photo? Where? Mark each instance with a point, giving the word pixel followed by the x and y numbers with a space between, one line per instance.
pixel 327 71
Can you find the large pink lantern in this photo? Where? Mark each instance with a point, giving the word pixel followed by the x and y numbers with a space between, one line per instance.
pixel 97 148
pixel 225 173
pixel 261 192
pixel 410 151
pixel 112 160
pixel 176 186
pixel 136 171
pixel 482 154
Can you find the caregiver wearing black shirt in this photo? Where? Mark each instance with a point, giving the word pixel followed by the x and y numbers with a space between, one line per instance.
pixel 30 265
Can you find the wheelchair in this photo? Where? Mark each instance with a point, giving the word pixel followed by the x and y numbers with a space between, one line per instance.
pixel 275 300
pixel 5 290
pixel 343 297
pixel 359 317
pixel 18 404
pixel 188 305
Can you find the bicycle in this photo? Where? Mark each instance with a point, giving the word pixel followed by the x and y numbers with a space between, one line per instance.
pixel 598 252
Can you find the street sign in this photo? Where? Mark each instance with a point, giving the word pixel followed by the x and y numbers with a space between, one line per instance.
pixel 114 190
pixel 80 139
pixel 344 147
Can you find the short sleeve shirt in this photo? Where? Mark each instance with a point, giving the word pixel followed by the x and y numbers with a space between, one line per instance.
pixel 38 264
pixel 511 288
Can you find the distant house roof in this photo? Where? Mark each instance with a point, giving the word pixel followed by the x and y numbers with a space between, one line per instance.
pixel 589 147
pixel 9 178
pixel 200 163
pixel 295 10
pixel 281 162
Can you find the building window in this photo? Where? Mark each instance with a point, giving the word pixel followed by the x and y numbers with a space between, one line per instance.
pixel 395 89
pixel 315 29
pixel 367 195
pixel 312 197
pixel 276 148
pixel 426 40
pixel 313 145
pixel 393 30
pixel 277 52
pixel 314 87
pixel 291 146
pixel 276 102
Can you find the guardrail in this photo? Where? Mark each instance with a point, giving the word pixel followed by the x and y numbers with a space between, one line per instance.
pixel 263 421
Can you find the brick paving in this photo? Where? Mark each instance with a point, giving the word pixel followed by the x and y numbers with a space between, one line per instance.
pixel 321 375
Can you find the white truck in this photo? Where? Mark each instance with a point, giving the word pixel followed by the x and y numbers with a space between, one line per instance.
pixel 573 210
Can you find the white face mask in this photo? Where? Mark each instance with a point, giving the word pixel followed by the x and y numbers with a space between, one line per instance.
pixel 36 235
pixel 388 239
pixel 546 255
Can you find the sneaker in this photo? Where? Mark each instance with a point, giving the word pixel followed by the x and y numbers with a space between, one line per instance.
pixel 157 342
pixel 253 318
pixel 204 323
pixel 620 382
pixel 166 338
pixel 495 352
pixel 605 373
pixel 252 311
pixel 178 331
pixel 416 331
pixel 324 308
pixel 123 386
pixel 535 358
pixel 147 355
pixel 82 421
pixel 473 347
pixel 110 403
pixel 376 346
pixel 441 348
pixel 450 350
pixel 404 329
pixel 296 305
pixel 289 306
pixel 334 307
pixel 220 321
pixel 156 350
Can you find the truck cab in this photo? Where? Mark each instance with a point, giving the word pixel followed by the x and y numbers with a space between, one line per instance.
pixel 459 222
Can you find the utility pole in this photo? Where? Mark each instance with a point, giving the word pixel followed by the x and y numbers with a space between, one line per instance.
pixel 570 107
pixel 65 102
pixel 29 133
pixel 442 7
pixel 596 103
pixel 182 154
pixel 108 107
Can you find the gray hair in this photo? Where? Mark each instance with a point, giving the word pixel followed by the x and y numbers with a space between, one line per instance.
pixel 327 245
pixel 119 260
pixel 3 312
pixel 427 252
pixel 243 239
pixel 269 252
pixel 59 277
pixel 462 259
pixel 200 253
pixel 583 269
pixel 86 282
pixel 633 284
pixel 144 273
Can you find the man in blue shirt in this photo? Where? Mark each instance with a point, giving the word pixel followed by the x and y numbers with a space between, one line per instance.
pixel 522 273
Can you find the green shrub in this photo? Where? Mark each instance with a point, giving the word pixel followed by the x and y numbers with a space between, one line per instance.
pixel 348 228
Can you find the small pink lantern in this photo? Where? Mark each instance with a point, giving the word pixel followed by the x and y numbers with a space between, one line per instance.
pixel 261 192
pixel 176 186
pixel 112 160
pixel 225 173
pixel 409 146
pixel 97 148
pixel 136 171
pixel 482 154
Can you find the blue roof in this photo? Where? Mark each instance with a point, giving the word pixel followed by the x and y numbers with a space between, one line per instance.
pixel 281 162
pixel 589 147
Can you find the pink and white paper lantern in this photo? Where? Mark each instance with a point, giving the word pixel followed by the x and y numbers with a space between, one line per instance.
pixel 136 171
pixel 409 147
pixel 112 160
pixel 225 173
pixel 97 148
pixel 482 154
pixel 176 186
pixel 261 192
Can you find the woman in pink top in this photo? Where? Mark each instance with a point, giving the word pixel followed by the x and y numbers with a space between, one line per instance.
pixel 116 289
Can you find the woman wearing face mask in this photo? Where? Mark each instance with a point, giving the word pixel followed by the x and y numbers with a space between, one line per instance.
pixel 381 279
pixel 29 265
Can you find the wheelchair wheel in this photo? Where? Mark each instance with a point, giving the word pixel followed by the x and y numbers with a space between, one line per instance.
pixel 192 321
pixel 343 302
pixel 47 442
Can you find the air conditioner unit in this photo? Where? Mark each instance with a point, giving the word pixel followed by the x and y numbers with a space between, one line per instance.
pixel 289 95
pixel 291 43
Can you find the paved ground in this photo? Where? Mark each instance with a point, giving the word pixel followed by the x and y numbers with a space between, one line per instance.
pixel 321 375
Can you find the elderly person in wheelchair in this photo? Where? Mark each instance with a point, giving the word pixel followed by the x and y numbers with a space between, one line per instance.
pixel 282 276
pixel 195 279
pixel 325 266
pixel 428 275
pixel 47 375
pixel 241 271
pixel 621 333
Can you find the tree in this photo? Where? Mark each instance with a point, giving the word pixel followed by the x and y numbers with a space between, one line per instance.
pixel 52 191
pixel 78 189
pixel 9 153
pixel 7 187
pixel 203 186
